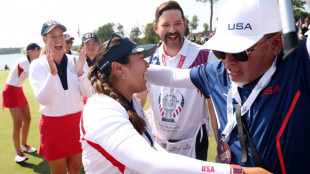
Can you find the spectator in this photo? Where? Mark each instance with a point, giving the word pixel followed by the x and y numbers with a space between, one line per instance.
pixel 69 42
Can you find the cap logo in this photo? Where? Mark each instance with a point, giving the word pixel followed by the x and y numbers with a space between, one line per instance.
pixel 239 26
pixel 140 49
pixel 89 35
pixel 50 23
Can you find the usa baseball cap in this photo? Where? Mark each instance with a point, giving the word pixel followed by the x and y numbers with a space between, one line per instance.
pixel 49 25
pixel 242 23
pixel 125 47
pixel 67 37
pixel 88 36
pixel 32 46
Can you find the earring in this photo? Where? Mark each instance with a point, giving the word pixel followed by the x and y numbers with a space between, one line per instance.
pixel 123 76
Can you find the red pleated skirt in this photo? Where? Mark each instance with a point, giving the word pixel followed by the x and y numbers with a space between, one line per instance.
pixel 13 96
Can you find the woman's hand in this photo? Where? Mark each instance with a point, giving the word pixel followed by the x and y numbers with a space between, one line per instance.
pixel 79 64
pixel 51 63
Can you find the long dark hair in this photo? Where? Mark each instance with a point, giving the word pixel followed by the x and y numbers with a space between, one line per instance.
pixel 101 83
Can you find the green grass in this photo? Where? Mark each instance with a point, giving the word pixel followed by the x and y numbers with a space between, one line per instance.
pixel 36 163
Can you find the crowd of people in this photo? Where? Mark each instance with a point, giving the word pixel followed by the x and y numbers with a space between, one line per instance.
pixel 236 85
pixel 302 28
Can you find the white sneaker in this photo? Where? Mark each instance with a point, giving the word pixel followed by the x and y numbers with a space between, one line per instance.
pixel 27 148
pixel 20 157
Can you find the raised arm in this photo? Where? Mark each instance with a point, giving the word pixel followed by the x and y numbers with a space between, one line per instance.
pixel 169 77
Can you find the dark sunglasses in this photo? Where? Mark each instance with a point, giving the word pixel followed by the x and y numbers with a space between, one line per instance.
pixel 242 56
pixel 69 42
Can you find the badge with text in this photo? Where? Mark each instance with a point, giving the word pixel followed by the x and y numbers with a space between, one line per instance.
pixel 224 152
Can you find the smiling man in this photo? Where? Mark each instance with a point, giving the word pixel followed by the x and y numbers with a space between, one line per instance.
pixel 179 117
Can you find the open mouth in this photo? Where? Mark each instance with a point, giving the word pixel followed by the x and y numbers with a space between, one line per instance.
pixel 58 47
pixel 172 37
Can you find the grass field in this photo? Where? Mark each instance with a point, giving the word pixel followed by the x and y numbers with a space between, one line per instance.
pixel 36 163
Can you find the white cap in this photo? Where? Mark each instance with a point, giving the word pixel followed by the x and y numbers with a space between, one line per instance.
pixel 244 22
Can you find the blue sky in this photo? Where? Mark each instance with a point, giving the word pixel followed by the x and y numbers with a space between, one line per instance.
pixel 21 20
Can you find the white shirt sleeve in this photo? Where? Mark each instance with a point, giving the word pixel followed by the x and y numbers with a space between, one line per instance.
pixel 85 84
pixel 169 77
pixel 42 85
pixel 136 154
pixel 106 123
pixel 308 46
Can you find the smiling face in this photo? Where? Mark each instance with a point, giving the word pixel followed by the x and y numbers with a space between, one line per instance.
pixel 55 42
pixel 259 61
pixel 68 45
pixel 91 47
pixel 170 28
pixel 134 73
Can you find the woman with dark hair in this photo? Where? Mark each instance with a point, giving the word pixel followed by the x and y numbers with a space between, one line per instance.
pixel 13 98
pixel 115 134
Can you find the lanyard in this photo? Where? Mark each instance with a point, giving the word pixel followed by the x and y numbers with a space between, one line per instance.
pixel 234 94
pixel 180 64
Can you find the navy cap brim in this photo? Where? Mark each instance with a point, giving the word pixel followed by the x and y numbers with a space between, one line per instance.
pixel 146 50
pixel 69 38
pixel 88 39
pixel 64 29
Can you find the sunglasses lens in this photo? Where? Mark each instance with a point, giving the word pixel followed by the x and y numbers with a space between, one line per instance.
pixel 219 54
pixel 242 56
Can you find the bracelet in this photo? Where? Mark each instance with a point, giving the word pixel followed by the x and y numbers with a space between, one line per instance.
pixel 236 169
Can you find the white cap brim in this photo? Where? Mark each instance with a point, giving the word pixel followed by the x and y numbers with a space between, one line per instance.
pixel 231 43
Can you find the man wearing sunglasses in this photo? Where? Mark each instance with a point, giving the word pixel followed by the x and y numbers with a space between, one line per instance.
pixel 262 100
pixel 69 42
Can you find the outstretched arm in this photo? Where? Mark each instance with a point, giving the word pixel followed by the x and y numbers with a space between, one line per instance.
pixel 169 77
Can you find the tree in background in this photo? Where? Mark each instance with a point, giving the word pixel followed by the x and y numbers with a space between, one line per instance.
pixel 134 34
pixel 104 32
pixel 211 10
pixel 186 33
pixel 205 29
pixel 298 8
pixel 194 23
pixel 120 29
pixel 150 35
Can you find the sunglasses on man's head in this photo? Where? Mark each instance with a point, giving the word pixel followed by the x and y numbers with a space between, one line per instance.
pixel 242 56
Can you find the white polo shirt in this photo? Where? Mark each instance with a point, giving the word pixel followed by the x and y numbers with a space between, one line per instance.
pixel 48 90
pixel 19 72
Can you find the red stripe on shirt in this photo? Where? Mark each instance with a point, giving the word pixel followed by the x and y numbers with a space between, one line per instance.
pixel 120 166
pixel 82 127
pixel 287 117
pixel 20 70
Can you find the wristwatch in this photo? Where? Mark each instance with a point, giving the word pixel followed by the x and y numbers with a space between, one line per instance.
pixel 236 169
